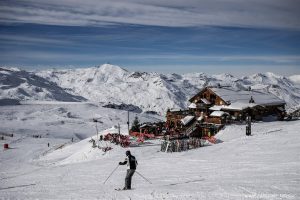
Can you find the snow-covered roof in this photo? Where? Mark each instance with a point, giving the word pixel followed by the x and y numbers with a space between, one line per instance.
pixel 242 96
pixel 234 106
pixel 144 125
pixel 280 108
pixel 187 119
pixel 218 114
pixel 200 118
pixel 215 107
pixel 192 105
pixel 205 101
pixel 239 106
pixel 175 109
pixel 147 124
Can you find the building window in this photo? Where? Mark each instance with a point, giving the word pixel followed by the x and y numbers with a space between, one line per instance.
pixel 203 96
pixel 213 98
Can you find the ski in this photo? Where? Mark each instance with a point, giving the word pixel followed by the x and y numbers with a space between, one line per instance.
pixel 119 189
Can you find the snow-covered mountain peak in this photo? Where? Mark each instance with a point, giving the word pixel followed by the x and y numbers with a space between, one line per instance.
pixel 8 69
pixel 109 73
pixel 271 74
pixel 225 77
pixel 153 91
pixel 265 78
pixel 138 75
pixel 295 79
pixel 22 85
pixel 258 76
pixel 108 68
pixel 196 74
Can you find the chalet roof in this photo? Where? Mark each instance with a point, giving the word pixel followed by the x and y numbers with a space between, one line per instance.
pixel 175 109
pixel 205 101
pixel 192 105
pixel 233 106
pixel 200 118
pixel 280 108
pixel 187 119
pixel 215 107
pixel 232 96
pixel 145 125
pixel 237 100
pixel 218 114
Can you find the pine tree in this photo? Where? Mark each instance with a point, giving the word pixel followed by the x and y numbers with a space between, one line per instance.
pixel 135 125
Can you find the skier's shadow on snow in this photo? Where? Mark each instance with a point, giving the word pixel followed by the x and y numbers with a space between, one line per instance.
pixel 186 182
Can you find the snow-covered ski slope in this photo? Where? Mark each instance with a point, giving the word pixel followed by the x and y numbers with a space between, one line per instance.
pixel 263 166
pixel 149 91
pixel 64 119
pixel 59 105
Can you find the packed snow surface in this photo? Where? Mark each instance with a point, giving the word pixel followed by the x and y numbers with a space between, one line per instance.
pixel 58 108
pixel 265 165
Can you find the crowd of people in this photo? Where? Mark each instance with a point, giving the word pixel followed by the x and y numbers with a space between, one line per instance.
pixel 184 144
pixel 118 139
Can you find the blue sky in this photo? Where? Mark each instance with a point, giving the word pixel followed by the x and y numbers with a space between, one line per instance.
pixel 222 36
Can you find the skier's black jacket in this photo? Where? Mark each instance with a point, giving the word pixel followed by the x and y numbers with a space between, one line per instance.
pixel 130 161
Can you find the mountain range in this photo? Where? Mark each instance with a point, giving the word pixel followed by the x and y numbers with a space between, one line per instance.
pixel 153 92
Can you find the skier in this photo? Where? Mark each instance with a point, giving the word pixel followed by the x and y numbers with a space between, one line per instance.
pixel 131 167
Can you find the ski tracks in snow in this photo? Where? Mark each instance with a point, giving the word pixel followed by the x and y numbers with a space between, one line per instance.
pixel 17 186
pixel 185 182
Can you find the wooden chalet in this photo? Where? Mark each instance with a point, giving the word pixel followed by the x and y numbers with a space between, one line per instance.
pixel 239 103
pixel 213 107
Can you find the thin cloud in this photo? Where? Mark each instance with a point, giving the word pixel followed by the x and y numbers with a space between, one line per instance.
pixel 45 57
pixel 234 13
pixel 31 40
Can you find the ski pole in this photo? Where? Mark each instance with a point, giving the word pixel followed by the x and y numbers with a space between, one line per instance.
pixel 111 174
pixel 143 177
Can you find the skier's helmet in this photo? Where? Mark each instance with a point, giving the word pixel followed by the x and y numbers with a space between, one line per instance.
pixel 128 153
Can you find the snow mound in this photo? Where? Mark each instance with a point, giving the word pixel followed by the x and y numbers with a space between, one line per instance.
pixel 80 152
pixel 83 151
